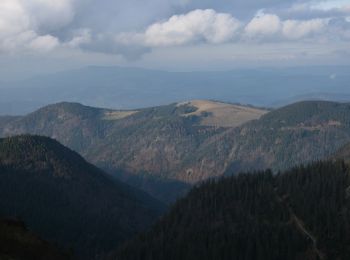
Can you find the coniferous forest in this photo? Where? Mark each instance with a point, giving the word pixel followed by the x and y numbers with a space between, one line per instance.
pixel 301 214
pixel 65 200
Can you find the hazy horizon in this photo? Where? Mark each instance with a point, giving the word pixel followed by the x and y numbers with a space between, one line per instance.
pixel 130 88
pixel 39 37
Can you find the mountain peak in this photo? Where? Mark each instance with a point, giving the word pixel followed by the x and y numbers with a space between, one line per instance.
pixel 72 108
pixel 65 193
pixel 39 154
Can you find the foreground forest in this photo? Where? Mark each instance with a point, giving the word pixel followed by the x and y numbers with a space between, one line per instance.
pixel 17 242
pixel 303 213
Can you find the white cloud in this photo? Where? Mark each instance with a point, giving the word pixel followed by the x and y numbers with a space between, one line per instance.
pixel 13 18
pixel 293 29
pixel 44 43
pixel 270 26
pixel 29 41
pixel 217 28
pixel 263 25
pixel 196 26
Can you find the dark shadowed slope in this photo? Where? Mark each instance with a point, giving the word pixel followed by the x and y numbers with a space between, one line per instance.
pixel 67 200
pixel 19 243
pixel 302 214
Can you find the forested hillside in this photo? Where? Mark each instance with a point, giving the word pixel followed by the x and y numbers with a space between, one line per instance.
pixel 146 147
pixel 301 214
pixel 343 154
pixel 66 200
pixel 286 137
pixel 163 149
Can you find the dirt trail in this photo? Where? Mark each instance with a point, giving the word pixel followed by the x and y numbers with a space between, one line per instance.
pixel 301 227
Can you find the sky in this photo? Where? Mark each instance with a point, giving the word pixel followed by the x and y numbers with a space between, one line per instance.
pixel 41 36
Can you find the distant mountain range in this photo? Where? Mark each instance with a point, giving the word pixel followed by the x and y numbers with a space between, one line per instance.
pixel 320 96
pixel 163 149
pixel 68 201
pixel 130 88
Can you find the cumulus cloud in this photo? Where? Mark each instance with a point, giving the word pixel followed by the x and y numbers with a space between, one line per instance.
pixel 198 25
pixel 195 26
pixel 211 27
pixel 294 29
pixel 44 43
pixel 30 24
pixel 13 18
pixel 270 26
pixel 16 26
pixel 263 25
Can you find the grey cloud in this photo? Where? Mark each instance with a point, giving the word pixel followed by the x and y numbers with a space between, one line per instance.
pixel 105 43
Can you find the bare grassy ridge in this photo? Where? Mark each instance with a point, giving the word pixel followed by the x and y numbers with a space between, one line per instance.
pixel 220 114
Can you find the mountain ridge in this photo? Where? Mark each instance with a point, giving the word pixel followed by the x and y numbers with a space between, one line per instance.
pixel 67 200
pixel 176 143
pixel 145 142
